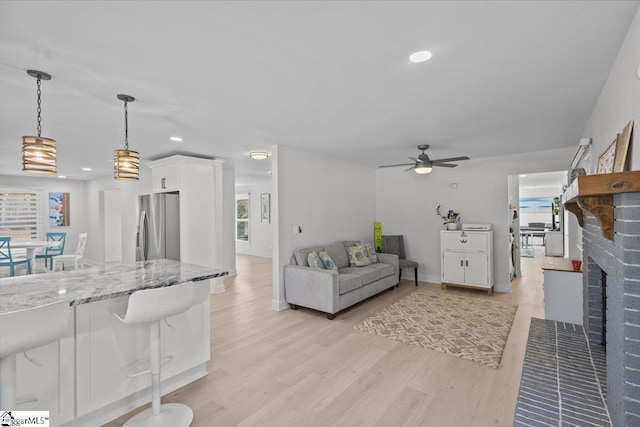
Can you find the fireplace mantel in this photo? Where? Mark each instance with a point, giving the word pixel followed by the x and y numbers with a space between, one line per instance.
pixel 594 193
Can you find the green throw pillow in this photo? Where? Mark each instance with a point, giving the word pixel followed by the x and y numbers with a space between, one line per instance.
pixel 315 261
pixel 371 253
pixel 327 261
pixel 358 256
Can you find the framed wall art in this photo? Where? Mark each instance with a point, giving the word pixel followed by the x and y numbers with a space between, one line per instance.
pixel 622 148
pixel 59 210
pixel 606 159
pixel 265 208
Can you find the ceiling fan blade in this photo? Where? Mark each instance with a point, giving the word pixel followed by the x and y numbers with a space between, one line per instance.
pixel 414 159
pixel 445 165
pixel 411 168
pixel 392 166
pixel 451 159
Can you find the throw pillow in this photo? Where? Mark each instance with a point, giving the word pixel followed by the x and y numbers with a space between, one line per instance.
pixel 358 256
pixel 327 261
pixel 315 261
pixel 371 253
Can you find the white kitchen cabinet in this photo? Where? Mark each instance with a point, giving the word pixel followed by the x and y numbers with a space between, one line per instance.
pixel 553 244
pixel 193 179
pixel 467 259
pixel 562 291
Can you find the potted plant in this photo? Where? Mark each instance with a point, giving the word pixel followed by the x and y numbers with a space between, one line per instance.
pixel 450 219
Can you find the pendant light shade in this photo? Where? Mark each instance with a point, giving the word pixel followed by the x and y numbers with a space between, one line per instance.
pixel 126 162
pixel 38 152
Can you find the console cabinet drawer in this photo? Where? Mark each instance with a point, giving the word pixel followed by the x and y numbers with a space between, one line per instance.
pixel 465 241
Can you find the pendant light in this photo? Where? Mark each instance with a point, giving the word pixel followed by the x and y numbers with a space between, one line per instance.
pixel 126 162
pixel 39 153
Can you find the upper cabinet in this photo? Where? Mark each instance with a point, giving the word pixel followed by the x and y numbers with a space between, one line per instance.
pixel 169 173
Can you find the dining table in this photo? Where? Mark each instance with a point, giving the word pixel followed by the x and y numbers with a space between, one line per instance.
pixel 32 246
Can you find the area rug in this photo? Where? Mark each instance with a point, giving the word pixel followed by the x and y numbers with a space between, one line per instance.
pixel 471 328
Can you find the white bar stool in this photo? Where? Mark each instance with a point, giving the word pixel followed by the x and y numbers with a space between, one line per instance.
pixel 24 330
pixel 151 306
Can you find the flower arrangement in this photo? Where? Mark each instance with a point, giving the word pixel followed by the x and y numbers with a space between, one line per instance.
pixel 450 218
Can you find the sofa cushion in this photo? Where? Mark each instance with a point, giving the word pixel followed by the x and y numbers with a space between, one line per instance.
pixel 348 282
pixel 358 256
pixel 327 261
pixel 385 270
pixel 338 254
pixel 302 254
pixel 314 261
pixel 367 274
pixel 349 243
pixel 371 252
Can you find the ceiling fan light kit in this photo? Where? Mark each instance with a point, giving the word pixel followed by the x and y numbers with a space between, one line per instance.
pixel 126 162
pixel 424 165
pixel 38 152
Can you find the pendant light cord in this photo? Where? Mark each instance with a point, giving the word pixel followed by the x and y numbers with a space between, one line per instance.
pixel 126 126
pixel 39 108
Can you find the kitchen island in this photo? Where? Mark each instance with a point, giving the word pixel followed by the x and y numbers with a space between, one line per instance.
pixel 89 376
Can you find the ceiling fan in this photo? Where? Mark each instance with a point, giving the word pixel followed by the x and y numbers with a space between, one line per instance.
pixel 423 164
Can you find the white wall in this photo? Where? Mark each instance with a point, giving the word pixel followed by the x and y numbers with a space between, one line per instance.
pixel 260 235
pixel 77 195
pixel 619 101
pixel 406 203
pixel 331 200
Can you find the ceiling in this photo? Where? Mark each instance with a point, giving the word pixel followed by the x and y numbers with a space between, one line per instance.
pixel 327 77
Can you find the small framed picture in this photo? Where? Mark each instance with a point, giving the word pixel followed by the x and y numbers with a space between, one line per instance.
pixel 265 208
pixel 606 159
pixel 622 148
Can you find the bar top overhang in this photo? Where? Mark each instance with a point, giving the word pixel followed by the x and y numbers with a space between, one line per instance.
pixel 97 283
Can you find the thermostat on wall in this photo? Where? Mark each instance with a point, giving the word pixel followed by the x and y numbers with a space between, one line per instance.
pixel 476 227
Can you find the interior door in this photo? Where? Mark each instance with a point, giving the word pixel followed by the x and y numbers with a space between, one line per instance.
pixel 453 267
pixel 476 269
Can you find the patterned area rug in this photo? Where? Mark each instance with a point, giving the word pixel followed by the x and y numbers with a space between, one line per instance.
pixel 470 328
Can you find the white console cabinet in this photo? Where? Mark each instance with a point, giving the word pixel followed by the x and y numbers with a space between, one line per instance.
pixel 467 259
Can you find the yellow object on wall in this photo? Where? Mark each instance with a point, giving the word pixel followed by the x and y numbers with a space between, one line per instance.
pixel 377 236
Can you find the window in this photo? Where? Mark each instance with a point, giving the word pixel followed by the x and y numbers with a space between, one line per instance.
pixel 21 213
pixel 242 217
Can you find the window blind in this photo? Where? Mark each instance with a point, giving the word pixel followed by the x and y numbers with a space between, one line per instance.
pixel 21 213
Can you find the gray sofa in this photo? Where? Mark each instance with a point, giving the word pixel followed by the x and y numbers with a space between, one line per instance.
pixel 330 291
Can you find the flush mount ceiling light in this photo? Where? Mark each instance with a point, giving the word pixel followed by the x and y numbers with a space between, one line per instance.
pixel 420 56
pixel 39 153
pixel 258 155
pixel 175 138
pixel 126 162
pixel 422 169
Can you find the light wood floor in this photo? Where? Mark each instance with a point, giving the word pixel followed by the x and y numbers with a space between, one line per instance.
pixel 296 368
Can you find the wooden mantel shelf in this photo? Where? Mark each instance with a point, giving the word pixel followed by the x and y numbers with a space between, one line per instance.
pixel 594 193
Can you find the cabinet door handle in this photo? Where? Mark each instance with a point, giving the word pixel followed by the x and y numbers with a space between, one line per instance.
pixel 461 263
pixel 163 183
pixel 467 263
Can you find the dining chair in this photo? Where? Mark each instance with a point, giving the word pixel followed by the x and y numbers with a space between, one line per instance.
pixel 53 251
pixel 395 245
pixel 7 259
pixel 76 257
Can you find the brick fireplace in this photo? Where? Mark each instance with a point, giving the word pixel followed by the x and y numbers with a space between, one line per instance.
pixel 613 315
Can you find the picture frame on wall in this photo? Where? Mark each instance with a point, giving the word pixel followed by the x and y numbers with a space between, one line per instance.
pixel 607 159
pixel 59 209
pixel 265 208
pixel 622 148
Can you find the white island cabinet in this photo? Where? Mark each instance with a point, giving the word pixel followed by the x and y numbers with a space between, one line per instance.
pixel 467 259
pixel 88 377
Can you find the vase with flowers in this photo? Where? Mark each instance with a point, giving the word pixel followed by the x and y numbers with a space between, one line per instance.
pixel 451 219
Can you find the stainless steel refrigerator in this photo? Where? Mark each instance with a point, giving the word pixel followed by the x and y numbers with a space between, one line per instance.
pixel 158 231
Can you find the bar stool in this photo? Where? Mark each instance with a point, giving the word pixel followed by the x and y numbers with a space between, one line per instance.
pixel 150 306
pixel 24 330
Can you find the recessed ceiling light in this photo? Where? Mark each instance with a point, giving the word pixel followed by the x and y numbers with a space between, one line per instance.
pixel 258 155
pixel 175 138
pixel 523 175
pixel 420 56
pixel 61 176
pixel 87 169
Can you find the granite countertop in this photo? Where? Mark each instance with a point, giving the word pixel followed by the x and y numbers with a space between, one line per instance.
pixel 97 283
